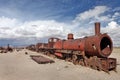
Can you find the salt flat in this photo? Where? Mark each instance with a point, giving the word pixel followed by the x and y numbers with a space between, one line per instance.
pixel 19 66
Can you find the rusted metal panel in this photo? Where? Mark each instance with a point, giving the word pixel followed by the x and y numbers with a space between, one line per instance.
pixel 58 54
pixel 71 44
pixel 76 44
pixel 108 64
pixel 40 59
pixel 52 41
pixel 102 64
pixel 42 45
pixel 59 44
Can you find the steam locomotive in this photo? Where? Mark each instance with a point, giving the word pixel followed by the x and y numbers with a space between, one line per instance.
pixel 92 51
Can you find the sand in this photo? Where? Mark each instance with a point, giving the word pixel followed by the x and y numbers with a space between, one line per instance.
pixel 19 66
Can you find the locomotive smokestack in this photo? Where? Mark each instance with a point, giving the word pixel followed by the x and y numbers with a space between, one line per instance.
pixel 97 28
pixel 70 36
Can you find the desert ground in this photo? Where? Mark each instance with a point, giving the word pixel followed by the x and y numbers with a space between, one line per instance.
pixel 19 66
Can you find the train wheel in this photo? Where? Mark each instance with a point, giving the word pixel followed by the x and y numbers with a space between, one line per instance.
pixel 68 58
pixel 81 62
pixel 76 62
pixel 93 63
pixel 74 59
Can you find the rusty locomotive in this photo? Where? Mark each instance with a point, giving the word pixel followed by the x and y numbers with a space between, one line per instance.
pixel 92 51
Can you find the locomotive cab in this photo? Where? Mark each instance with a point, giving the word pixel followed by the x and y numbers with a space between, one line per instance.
pixel 52 41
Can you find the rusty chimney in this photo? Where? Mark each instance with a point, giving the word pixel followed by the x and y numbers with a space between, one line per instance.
pixel 70 36
pixel 97 28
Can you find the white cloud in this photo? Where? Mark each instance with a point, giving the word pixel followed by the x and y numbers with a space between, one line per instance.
pixel 112 25
pixel 10 28
pixel 92 13
pixel 43 28
pixel 7 22
pixel 113 29
pixel 82 25
pixel 116 16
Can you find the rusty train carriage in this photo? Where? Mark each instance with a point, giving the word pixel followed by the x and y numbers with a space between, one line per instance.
pixel 92 51
pixel 41 46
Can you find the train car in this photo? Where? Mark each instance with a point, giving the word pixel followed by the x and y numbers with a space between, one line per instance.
pixel 31 47
pixel 41 47
pixel 47 48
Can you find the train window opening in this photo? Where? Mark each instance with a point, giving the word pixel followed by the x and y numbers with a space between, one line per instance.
pixel 50 40
pixel 54 40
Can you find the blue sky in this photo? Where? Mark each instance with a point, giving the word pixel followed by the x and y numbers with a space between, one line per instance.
pixel 61 10
pixel 41 19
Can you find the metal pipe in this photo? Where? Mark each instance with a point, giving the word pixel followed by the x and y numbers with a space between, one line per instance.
pixel 70 36
pixel 97 28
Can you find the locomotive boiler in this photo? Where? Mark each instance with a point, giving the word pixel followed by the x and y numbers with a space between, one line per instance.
pixel 97 45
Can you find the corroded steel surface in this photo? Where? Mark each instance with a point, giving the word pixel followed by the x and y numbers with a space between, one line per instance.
pixel 41 45
pixel 71 44
pixel 40 59
pixel 108 64
pixel 51 41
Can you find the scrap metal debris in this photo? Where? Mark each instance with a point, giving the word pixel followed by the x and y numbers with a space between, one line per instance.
pixel 41 60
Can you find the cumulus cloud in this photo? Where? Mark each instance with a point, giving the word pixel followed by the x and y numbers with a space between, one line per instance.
pixel 94 13
pixel 82 25
pixel 11 28
pixel 113 29
pixel 112 25
pixel 42 29
pixel 8 22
